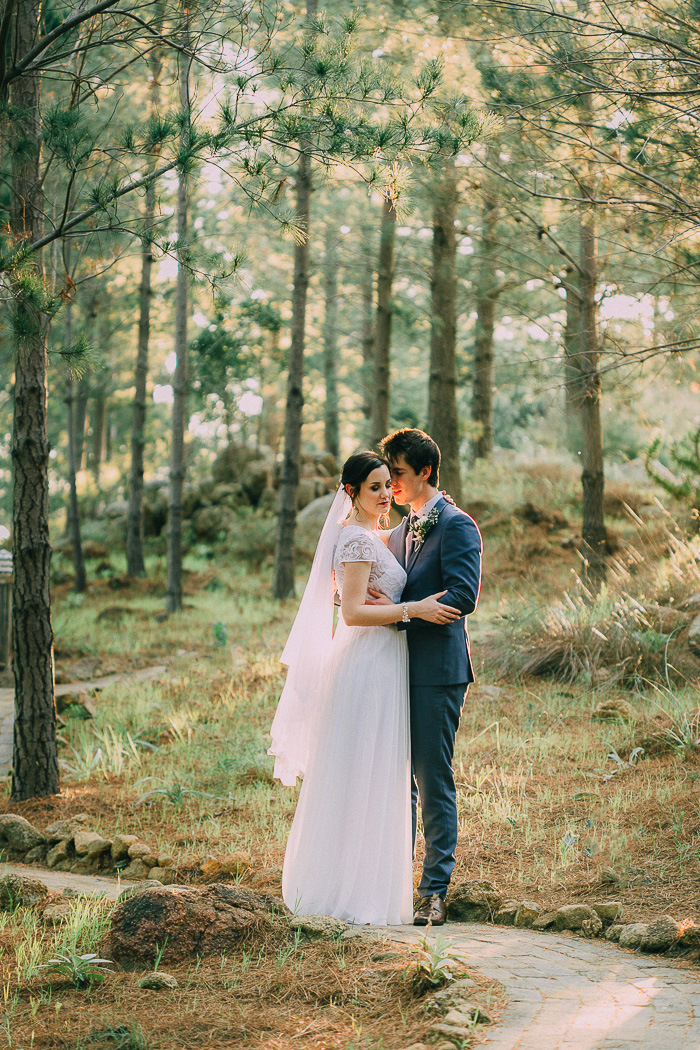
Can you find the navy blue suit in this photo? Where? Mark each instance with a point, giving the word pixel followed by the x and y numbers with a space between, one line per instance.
pixel 440 671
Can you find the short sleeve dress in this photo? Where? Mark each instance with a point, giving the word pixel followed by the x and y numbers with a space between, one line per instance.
pixel 349 853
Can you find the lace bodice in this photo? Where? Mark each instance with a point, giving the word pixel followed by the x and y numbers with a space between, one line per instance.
pixel 357 544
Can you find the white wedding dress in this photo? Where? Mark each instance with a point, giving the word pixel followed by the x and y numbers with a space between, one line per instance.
pixel 349 850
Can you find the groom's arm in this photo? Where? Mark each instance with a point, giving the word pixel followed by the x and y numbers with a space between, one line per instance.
pixel 460 564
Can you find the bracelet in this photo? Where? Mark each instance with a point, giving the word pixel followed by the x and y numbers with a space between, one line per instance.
pixel 405 618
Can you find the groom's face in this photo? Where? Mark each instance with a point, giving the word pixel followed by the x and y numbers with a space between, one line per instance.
pixel 406 485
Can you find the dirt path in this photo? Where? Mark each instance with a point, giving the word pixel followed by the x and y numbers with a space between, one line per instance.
pixel 7 704
pixel 58 881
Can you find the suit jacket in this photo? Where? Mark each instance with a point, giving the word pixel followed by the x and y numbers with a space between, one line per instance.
pixel 449 559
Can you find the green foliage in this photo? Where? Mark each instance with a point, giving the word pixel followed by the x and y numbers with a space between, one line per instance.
pixel 81 970
pixel 685 458
pixel 434 964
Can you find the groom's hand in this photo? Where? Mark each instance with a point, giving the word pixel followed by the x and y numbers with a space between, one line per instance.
pixel 375 597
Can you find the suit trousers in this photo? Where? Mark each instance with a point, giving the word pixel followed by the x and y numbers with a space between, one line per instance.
pixel 435 713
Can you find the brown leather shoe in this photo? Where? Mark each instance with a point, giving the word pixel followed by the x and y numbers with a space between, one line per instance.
pixel 430 911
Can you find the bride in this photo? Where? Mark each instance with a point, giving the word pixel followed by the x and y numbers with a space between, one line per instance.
pixel 342 720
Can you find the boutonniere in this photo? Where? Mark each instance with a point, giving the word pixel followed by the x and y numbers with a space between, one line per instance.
pixel 423 526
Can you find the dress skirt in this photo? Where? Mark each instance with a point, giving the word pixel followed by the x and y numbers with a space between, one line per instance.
pixel 349 853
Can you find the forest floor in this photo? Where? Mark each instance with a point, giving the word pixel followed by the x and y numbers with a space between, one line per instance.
pixel 546 814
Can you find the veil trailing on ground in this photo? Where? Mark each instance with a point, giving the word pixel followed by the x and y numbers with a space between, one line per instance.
pixel 307 654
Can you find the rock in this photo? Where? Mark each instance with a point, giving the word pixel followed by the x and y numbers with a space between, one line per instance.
pixel 592 927
pixel 54 914
pixel 63 865
pixel 85 668
pixel 35 856
pixel 666 619
pixel 89 843
pixel 19 891
pixel 545 921
pixel 455 994
pixel 121 844
pixel 310 522
pixel 157 981
pixel 213 523
pixel 140 887
pixel 236 863
pixel 661 934
pixel 166 860
pixel 505 916
pixel 188 920
pixel 458 1017
pixel 694 636
pixel 255 479
pixel 319 927
pixel 85 865
pixel 64 830
pixel 18 833
pixel 613 932
pixel 475 900
pixel 232 461
pixel 631 935
pixel 493 692
pixel 77 704
pixel 690 937
pixel 269 881
pixel 608 911
pixel 140 851
pixel 138 869
pixel 166 876
pixel 691 604
pixel 210 867
pixel 58 853
pixel 614 709
pixel 527 913
pixel 455 1034
pixel 572 916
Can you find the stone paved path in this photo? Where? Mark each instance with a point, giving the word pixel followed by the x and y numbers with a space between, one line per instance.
pixel 565 993
pixel 7 704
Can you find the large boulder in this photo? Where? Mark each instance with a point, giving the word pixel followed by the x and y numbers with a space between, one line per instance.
pixel 19 891
pixel 188 920
pixel 232 461
pixel 213 523
pixel 661 934
pixel 694 636
pixel 256 477
pixel 573 916
pixel 310 522
pixel 18 834
pixel 475 900
pixel 632 935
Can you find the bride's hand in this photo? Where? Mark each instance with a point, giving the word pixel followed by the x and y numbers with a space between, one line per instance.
pixel 431 610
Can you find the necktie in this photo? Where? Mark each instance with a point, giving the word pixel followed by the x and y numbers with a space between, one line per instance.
pixel 410 539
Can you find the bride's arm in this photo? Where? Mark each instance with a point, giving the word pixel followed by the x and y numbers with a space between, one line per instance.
pixel 357 614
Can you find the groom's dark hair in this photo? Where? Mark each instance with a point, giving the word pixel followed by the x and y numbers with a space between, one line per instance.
pixel 417 448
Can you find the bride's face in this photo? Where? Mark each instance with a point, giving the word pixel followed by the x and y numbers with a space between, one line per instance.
pixel 374 497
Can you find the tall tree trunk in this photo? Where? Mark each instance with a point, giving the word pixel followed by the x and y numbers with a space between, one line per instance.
pixel 572 361
pixel 283 585
pixel 81 410
pixel 135 564
pixel 382 342
pixel 330 344
pixel 593 531
pixel 484 377
pixel 367 336
pixel 35 763
pixel 443 415
pixel 284 556
pixel 179 418
pixel 99 428
pixel 73 508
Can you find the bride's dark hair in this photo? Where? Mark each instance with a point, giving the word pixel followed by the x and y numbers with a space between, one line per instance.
pixel 358 467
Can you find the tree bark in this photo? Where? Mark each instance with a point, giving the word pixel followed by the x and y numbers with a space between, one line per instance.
pixel 593 531
pixel 284 556
pixel 99 428
pixel 367 337
pixel 331 425
pixel 572 361
pixel 382 342
pixel 80 582
pixel 443 414
pixel 283 585
pixel 81 410
pixel 179 418
pixel 135 564
pixel 484 377
pixel 35 764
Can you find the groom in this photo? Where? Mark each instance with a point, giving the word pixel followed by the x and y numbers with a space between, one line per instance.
pixel 440 548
